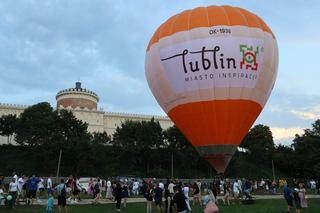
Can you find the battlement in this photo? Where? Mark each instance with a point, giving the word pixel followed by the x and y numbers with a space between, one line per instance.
pixel 13 106
pixel 83 91
pixel 133 115
pixel 80 109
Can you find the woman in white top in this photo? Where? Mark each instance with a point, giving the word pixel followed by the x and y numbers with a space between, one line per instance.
pixel 302 196
pixel 40 189
pixel 186 194
pixel 13 191
pixel 1 194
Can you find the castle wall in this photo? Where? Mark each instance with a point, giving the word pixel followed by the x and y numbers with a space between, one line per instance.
pixel 98 121
pixel 13 109
pixel 112 120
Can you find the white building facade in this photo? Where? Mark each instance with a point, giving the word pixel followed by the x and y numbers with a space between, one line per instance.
pixel 83 103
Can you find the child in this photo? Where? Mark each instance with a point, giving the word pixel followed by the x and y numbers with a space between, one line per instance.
pixel 50 203
pixel 1 194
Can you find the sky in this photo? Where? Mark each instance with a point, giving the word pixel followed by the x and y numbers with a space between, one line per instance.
pixel 46 46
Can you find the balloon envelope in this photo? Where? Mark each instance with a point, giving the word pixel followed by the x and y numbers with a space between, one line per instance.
pixel 212 70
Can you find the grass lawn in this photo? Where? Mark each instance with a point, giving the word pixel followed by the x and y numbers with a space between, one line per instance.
pixel 261 206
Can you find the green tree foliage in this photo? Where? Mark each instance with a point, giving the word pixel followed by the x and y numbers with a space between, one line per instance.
pixel 259 142
pixel 307 152
pixel 8 125
pixel 36 125
pixel 138 138
pixel 101 138
pixel 186 159
pixel 142 148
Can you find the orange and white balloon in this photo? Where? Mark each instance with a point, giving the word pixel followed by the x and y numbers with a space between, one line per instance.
pixel 212 70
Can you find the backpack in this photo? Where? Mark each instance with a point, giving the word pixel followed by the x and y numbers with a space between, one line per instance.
pixel 63 192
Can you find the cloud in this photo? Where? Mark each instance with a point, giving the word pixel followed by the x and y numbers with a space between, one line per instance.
pixel 312 113
pixel 285 135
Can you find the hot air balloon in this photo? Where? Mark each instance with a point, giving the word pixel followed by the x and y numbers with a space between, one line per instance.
pixel 212 70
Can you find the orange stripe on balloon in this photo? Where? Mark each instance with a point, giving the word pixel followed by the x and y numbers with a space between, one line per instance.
pixel 208 17
pixel 194 118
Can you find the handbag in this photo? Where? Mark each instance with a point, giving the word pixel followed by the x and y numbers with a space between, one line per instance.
pixel 211 207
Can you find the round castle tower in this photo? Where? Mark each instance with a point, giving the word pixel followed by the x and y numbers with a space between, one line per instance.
pixel 77 98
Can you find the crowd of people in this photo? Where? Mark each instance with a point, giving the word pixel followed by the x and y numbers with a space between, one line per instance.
pixel 165 195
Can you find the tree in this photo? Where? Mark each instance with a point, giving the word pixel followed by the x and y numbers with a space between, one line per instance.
pixel 8 125
pixel 259 142
pixel 175 139
pixel 184 154
pixel 100 138
pixel 36 125
pixel 138 139
pixel 307 152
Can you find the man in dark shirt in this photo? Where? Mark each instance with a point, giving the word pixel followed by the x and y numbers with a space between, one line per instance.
pixel 158 197
pixel 32 188
pixel 288 197
pixel 180 200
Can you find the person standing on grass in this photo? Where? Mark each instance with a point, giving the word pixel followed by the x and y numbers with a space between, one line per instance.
pixel 97 191
pixel 40 188
pixel 196 194
pixel 62 196
pixel 167 198
pixel 109 189
pixel 287 194
pixel 236 191
pixel 149 197
pixel 71 183
pixel 125 194
pixel 226 192
pixel 49 208
pixel 135 187
pixel 2 193
pixel 49 185
pixel 186 194
pixel 76 190
pixel 118 196
pixel 170 187
pixel 297 200
pixel 179 200
pixel 158 192
pixel 302 196
pixel 20 188
pixel 13 191
pixel 90 188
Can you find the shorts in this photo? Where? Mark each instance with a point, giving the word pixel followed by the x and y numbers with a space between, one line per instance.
pixel 49 190
pixel 289 202
pixel 62 201
pixel 32 194
pixel 158 202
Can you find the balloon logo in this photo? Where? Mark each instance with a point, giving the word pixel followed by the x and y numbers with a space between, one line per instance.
pixel 212 70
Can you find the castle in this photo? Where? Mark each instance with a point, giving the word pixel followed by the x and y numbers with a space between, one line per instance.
pixel 84 105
